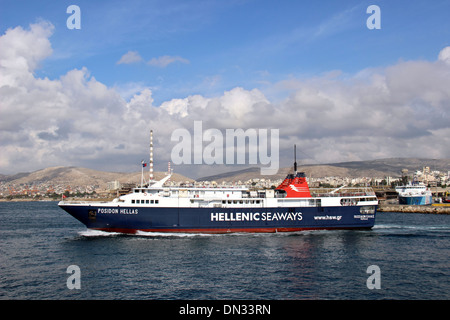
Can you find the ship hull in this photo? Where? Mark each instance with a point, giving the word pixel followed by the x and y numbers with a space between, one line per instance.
pixel 221 220
pixel 415 200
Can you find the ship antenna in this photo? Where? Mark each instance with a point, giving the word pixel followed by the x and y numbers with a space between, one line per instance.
pixel 151 155
pixel 295 159
pixel 169 171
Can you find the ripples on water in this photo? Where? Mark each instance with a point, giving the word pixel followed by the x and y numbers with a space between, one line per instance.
pixel 39 241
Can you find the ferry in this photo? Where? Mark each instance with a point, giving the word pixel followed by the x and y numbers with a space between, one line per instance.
pixel 290 207
pixel 414 193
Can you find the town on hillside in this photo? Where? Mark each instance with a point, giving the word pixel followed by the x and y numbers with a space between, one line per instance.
pixel 437 181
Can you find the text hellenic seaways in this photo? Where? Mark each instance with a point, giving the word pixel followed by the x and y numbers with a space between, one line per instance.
pixel 255 216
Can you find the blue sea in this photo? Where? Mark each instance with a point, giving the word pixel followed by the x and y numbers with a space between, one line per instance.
pixel 40 244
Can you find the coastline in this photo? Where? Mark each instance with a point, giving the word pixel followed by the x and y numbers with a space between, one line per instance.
pixel 430 209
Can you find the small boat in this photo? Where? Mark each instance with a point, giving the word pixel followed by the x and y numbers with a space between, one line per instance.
pixel 414 193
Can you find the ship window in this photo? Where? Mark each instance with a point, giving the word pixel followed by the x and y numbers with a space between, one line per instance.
pixel 133 201
pixel 224 201
pixel 146 201
pixel 156 201
pixel 257 201
pixel 152 201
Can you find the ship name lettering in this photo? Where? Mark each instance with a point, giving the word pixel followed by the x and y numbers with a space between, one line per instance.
pixel 117 211
pixel 108 210
pixel 129 211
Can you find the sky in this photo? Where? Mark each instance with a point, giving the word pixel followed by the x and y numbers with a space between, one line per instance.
pixel 312 70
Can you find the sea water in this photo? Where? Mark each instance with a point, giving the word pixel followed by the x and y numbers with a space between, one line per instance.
pixel 39 243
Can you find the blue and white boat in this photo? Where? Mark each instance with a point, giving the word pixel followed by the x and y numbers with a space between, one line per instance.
pixel 292 206
pixel 414 193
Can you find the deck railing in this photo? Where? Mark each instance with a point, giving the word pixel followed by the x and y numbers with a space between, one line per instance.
pixel 344 192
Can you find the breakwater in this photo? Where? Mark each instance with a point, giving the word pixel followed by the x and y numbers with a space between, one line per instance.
pixel 414 208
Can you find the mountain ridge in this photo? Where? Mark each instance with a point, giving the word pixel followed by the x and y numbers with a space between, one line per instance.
pixel 379 168
pixel 78 176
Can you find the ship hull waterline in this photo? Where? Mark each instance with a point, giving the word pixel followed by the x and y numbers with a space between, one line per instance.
pixel 220 220
pixel 415 200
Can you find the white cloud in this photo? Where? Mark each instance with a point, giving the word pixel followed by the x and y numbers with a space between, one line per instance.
pixel 22 50
pixel 164 61
pixel 396 111
pixel 70 120
pixel 161 62
pixel 444 55
pixel 129 89
pixel 130 57
pixel 401 110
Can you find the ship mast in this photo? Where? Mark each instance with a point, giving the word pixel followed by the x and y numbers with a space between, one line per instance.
pixel 295 160
pixel 142 173
pixel 151 156
pixel 169 171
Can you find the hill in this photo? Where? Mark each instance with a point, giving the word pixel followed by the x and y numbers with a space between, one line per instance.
pixel 395 165
pixel 371 168
pixel 75 176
